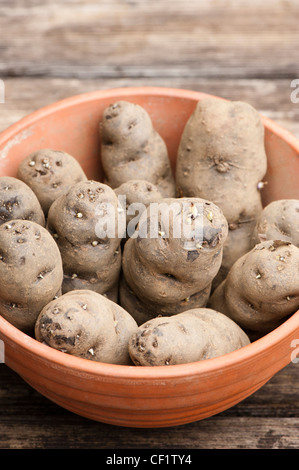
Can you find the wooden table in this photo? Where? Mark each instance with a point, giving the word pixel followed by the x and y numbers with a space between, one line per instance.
pixel 245 50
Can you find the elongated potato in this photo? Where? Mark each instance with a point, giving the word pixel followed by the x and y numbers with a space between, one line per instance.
pixel 132 149
pixel 221 158
pixel 262 287
pixel 194 335
pixel 85 324
pixel 30 272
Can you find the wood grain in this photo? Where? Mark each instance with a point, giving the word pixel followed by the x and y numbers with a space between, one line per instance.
pixel 238 49
pixel 137 38
pixel 270 97
pixel 269 419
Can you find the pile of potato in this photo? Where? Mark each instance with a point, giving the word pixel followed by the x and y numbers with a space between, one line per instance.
pixel 128 297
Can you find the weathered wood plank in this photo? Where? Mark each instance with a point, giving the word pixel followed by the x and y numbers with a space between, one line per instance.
pixel 238 49
pixel 270 97
pixel 136 38
pixel 267 419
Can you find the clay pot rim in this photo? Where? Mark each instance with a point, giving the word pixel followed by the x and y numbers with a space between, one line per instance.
pixel 227 361
pixel 45 353
pixel 116 93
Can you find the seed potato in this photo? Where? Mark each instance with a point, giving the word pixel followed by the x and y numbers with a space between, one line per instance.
pixel 262 287
pixel 279 220
pixel 18 201
pixel 31 272
pixel 50 173
pixel 79 221
pixel 222 158
pixel 165 264
pixel 194 335
pixel 86 324
pixel 132 149
pixel 134 196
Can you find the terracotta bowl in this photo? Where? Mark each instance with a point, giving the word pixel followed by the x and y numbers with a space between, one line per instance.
pixel 143 396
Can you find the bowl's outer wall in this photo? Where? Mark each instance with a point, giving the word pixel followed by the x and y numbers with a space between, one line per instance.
pixel 149 397
pixel 129 396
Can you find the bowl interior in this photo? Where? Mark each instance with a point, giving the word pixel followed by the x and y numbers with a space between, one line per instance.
pixel 72 125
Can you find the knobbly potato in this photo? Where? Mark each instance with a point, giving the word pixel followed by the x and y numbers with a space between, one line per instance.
pixel 85 324
pixel 144 310
pixel 18 201
pixel 30 272
pixel 80 222
pixel 134 196
pixel 221 158
pixel 279 220
pixel 132 149
pixel 194 335
pixel 173 257
pixel 262 287
pixel 50 173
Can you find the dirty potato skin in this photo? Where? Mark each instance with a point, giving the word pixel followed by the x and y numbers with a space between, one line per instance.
pixel 142 311
pixel 168 269
pixel 50 173
pixel 18 201
pixel 279 220
pixel 90 261
pixel 194 335
pixel 85 324
pixel 134 196
pixel 132 149
pixel 221 157
pixel 30 271
pixel 262 287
